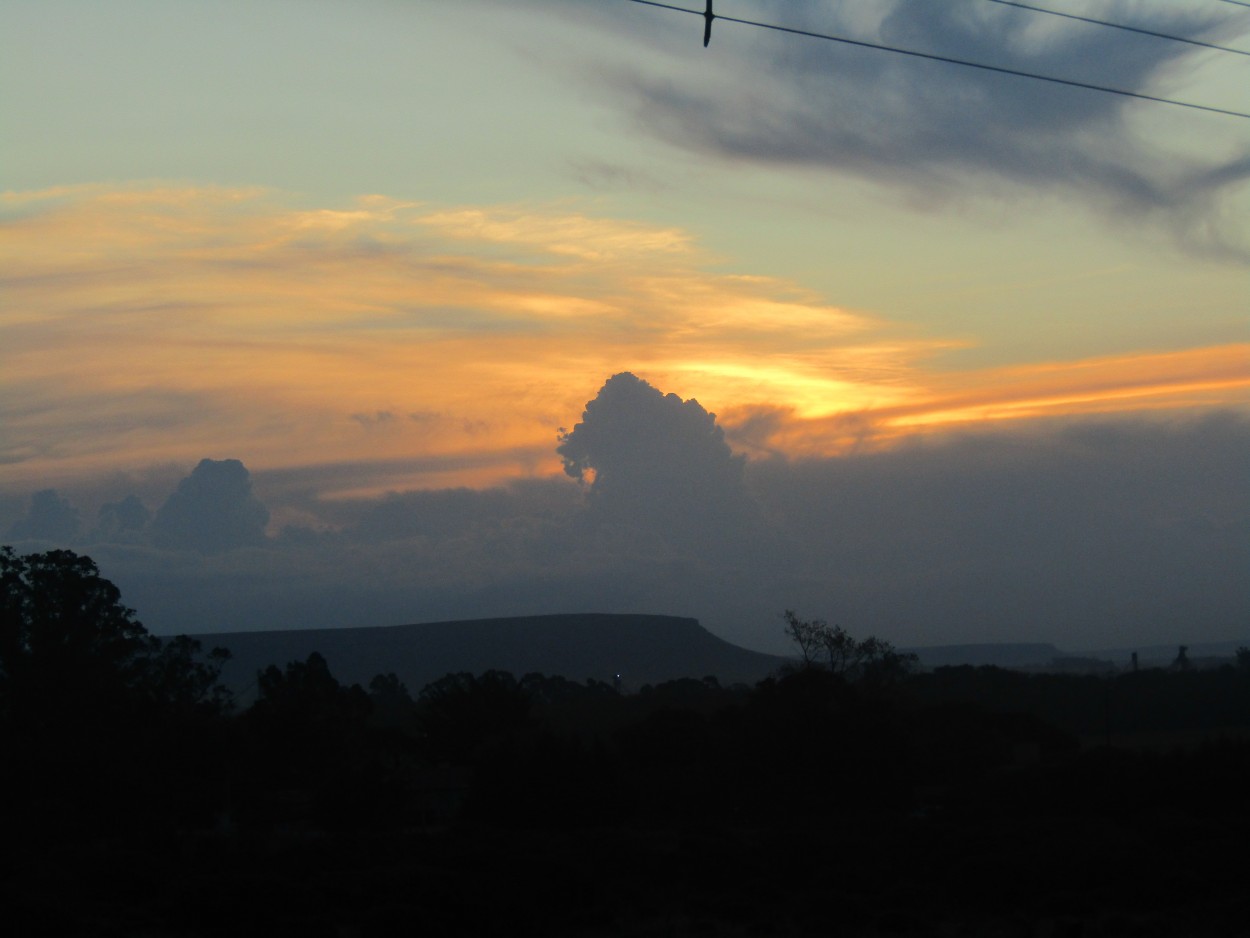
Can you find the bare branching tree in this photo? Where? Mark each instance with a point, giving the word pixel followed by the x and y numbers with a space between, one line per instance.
pixel 809 636
pixel 872 659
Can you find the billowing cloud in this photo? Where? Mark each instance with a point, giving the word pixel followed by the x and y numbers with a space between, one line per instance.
pixel 430 346
pixel 121 521
pixel 49 518
pixel 1089 532
pixel 437 514
pixel 213 509
pixel 166 322
pixel 652 456
pixel 1084 531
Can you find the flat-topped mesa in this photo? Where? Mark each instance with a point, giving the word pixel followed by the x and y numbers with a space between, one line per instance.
pixel 641 649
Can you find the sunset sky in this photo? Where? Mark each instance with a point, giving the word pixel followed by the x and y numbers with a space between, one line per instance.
pixel 393 247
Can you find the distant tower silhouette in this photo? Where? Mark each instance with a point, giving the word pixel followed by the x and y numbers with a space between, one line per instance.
pixel 1182 659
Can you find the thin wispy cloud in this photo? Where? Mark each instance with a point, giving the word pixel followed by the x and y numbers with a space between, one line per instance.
pixel 288 331
pixel 937 133
pixel 164 323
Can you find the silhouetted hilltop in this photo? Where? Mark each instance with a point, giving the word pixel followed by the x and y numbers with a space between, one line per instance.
pixel 998 654
pixel 642 649
pixel 1043 656
pixel 1200 654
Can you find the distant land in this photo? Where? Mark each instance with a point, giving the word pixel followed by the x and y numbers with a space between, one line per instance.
pixel 999 654
pixel 640 649
pixel 1043 656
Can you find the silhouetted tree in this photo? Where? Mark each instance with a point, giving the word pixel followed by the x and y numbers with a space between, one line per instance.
pixel 102 726
pixel 817 742
pixel 392 704
pixel 556 689
pixel 461 712
pixel 806 635
pixel 68 642
pixel 307 692
pixel 881 663
pixel 871 659
pixel 310 752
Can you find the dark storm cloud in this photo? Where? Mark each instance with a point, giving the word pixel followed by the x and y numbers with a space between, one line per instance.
pixel 1090 533
pixel 303 487
pixel 213 509
pixel 1100 530
pixel 49 518
pixel 655 460
pixel 121 521
pixel 641 444
pixel 441 513
pixel 938 132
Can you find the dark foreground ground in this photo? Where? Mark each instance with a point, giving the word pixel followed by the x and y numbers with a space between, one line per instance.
pixel 959 875
pixel 966 801
pixel 728 818
pixel 851 796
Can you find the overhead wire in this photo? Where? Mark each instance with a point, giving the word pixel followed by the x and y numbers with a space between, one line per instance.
pixel 1123 26
pixel 932 56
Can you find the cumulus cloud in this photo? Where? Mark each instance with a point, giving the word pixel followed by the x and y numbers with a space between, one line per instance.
pixel 49 518
pixel 1080 532
pixel 298 346
pixel 212 510
pixel 1087 532
pixel 437 514
pixel 122 520
pixel 650 456
pixel 468 341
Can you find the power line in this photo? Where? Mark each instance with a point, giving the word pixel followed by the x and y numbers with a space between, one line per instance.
pixel 1237 3
pixel 1131 29
pixel 953 61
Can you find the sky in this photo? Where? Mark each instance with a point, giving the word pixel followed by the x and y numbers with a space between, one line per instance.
pixel 330 314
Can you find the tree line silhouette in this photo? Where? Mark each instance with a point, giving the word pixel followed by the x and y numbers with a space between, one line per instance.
pixel 849 793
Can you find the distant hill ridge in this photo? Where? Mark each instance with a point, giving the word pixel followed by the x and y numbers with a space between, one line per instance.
pixel 642 649
pixel 998 654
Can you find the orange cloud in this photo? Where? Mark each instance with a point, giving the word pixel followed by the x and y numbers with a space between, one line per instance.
pixel 1183 379
pixel 159 324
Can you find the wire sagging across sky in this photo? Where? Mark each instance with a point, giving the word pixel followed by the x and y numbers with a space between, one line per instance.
pixel 935 57
pixel 1132 29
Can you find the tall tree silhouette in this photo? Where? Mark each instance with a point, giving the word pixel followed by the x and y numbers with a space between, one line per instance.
pixel 70 647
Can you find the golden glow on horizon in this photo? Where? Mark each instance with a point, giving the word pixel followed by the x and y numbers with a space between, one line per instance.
pixel 164 324
pixel 1185 379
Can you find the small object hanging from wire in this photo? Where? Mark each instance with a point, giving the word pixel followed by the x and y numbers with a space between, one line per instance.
pixel 708 16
